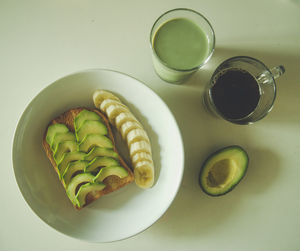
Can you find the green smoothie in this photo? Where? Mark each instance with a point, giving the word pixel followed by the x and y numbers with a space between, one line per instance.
pixel 181 44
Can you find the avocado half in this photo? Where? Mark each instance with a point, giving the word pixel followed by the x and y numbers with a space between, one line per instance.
pixel 223 170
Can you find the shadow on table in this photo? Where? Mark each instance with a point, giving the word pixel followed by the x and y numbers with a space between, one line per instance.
pixel 193 212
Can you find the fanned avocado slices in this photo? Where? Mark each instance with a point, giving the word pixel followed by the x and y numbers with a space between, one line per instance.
pixel 92 140
pixel 85 189
pixel 100 162
pixel 101 151
pixel 54 129
pixel 72 169
pixel 75 182
pixel 60 137
pixel 62 148
pixel 83 116
pixel 69 157
pixel 84 158
pixel 111 170
pixel 90 127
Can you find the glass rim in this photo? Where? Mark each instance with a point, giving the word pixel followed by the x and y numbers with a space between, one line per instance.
pixel 240 120
pixel 213 38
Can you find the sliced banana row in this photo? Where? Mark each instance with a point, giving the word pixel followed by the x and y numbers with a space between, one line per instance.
pixel 100 95
pixel 133 132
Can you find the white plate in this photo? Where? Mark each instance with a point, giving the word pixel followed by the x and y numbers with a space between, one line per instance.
pixel 115 216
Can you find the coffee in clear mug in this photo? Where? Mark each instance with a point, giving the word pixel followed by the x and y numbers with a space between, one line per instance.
pixel 242 90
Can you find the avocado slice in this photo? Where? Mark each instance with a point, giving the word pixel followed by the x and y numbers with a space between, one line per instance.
pixel 90 127
pixel 101 151
pixel 67 158
pixel 83 116
pixel 99 162
pixel 60 137
pixel 85 189
pixel 74 184
pixel 54 129
pixel 92 140
pixel 223 170
pixel 72 169
pixel 111 170
pixel 62 148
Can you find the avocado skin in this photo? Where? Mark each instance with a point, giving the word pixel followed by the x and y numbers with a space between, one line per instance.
pixel 214 154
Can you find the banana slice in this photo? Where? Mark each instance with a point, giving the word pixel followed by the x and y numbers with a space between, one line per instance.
pixel 137 135
pixel 139 146
pixel 139 157
pixel 127 126
pixel 124 117
pixel 113 111
pixel 144 174
pixel 108 102
pixel 133 132
pixel 100 95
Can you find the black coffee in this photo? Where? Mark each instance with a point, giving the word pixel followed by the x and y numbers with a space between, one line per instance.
pixel 235 93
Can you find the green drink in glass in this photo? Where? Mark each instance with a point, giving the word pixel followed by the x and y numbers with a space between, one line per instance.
pixel 182 41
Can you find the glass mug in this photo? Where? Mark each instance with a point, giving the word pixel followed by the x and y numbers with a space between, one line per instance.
pixel 242 90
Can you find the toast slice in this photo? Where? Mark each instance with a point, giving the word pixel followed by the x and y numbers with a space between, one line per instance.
pixel 112 182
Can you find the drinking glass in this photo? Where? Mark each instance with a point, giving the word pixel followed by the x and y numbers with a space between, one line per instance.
pixel 163 68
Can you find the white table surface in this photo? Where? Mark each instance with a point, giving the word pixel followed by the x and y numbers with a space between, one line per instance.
pixel 41 41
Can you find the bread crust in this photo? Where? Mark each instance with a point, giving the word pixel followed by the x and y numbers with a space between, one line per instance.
pixel 112 183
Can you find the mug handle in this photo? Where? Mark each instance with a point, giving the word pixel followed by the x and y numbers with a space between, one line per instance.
pixel 276 72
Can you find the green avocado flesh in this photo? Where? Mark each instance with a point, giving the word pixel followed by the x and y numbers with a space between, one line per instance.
pixel 101 151
pixel 67 158
pixel 111 170
pixel 54 129
pixel 85 189
pixel 64 147
pixel 90 127
pixel 99 162
pixel 83 116
pixel 92 140
pixel 60 137
pixel 81 154
pixel 75 182
pixel 223 170
pixel 74 168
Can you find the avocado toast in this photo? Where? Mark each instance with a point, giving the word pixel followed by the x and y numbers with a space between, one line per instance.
pixel 80 146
